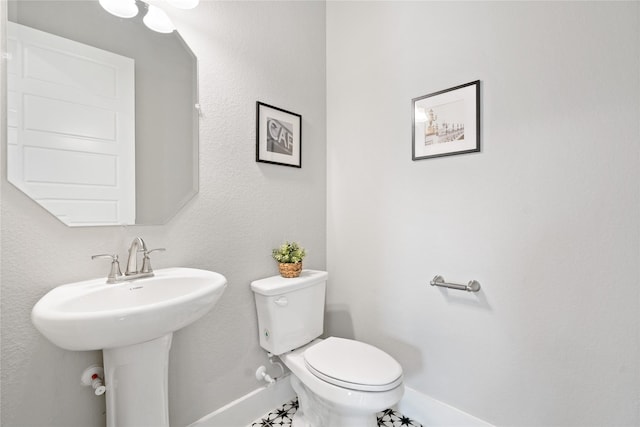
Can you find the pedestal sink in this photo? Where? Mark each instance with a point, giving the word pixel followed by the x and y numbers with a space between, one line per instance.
pixel 132 322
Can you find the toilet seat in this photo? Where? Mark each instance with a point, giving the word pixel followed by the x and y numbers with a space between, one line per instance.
pixel 353 365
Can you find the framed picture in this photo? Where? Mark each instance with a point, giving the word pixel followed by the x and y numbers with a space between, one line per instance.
pixel 278 136
pixel 446 122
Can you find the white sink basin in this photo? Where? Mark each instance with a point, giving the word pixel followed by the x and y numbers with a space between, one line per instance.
pixel 94 315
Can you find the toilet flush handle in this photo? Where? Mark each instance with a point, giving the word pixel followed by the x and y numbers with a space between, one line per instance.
pixel 281 301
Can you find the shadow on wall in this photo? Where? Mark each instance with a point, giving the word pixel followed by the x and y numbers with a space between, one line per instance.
pixel 338 323
pixel 477 299
pixel 409 356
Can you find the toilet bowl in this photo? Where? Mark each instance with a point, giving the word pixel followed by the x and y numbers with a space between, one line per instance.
pixel 339 382
pixel 342 383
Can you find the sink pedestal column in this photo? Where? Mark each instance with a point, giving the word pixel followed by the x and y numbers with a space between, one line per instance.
pixel 137 383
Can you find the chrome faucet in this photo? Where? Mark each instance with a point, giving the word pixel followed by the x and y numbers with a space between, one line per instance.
pixel 132 272
pixel 132 263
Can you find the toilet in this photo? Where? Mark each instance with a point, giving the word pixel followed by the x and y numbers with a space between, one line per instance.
pixel 339 382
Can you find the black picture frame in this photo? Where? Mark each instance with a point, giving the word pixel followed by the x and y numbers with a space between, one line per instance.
pixel 446 123
pixel 278 136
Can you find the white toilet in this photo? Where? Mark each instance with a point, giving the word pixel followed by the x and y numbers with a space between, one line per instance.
pixel 339 382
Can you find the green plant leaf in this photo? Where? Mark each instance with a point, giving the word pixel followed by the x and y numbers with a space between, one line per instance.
pixel 289 252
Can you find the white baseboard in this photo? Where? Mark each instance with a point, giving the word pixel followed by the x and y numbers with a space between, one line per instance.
pixel 415 405
pixel 250 407
pixel 433 413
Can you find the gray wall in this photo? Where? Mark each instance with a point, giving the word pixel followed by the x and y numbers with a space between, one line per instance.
pixel 248 51
pixel 546 217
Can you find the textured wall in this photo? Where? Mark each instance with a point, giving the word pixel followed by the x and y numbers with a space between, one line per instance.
pixel 546 217
pixel 248 51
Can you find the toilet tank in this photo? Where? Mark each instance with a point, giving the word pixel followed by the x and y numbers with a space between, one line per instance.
pixel 290 310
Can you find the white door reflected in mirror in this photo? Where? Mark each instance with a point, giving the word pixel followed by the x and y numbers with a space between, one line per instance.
pixel 71 127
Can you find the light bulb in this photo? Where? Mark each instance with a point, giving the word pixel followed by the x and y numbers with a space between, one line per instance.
pixel 120 8
pixel 157 20
pixel 183 4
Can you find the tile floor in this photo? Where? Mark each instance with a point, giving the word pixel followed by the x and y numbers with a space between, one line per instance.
pixel 282 416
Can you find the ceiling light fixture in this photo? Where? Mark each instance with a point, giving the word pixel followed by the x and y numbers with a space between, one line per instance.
pixel 120 8
pixel 155 19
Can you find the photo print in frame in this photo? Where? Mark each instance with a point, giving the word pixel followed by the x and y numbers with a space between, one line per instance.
pixel 446 122
pixel 278 136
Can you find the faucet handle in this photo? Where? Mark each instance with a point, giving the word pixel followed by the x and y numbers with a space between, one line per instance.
pixel 146 260
pixel 115 267
pixel 154 250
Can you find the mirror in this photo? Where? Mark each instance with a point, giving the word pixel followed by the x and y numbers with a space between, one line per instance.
pixel 60 148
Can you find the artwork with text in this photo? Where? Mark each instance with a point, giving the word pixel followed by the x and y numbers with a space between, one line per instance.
pixel 279 137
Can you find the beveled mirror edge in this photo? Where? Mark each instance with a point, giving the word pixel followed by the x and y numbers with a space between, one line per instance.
pixel 3 93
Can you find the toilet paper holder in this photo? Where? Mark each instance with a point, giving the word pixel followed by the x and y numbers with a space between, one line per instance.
pixel 472 286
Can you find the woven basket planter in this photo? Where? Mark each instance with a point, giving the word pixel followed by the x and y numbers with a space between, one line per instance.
pixel 290 269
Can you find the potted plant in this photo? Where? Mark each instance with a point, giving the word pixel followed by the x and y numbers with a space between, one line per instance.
pixel 289 257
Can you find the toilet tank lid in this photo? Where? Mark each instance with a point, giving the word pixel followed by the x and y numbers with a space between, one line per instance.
pixel 276 285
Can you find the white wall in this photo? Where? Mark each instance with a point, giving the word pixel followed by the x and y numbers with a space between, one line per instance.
pixel 546 217
pixel 248 51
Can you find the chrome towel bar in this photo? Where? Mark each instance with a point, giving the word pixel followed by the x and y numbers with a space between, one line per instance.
pixel 472 286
